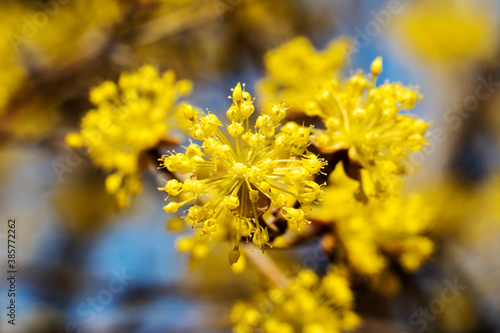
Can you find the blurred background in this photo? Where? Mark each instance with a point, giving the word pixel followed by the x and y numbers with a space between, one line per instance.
pixel 74 247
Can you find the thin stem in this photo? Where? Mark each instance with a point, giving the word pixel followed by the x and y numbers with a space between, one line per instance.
pixel 266 265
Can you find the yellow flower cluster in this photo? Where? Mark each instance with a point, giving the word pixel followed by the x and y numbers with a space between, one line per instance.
pixel 449 31
pixel 130 118
pixel 295 71
pixel 395 227
pixel 197 248
pixel 307 304
pixel 372 234
pixel 244 174
pixel 366 122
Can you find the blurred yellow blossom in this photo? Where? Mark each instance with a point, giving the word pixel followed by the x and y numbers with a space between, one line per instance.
pixel 13 73
pixel 374 233
pixel 131 117
pixel 197 246
pixel 307 304
pixel 453 202
pixel 449 31
pixel 370 126
pixel 48 31
pixel 295 71
pixel 260 169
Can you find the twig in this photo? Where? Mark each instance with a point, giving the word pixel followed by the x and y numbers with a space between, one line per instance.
pixel 174 23
pixel 265 265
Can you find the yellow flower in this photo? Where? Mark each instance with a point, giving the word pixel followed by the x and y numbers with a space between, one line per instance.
pixel 295 71
pixel 306 304
pixel 245 174
pixel 367 126
pixel 449 32
pixel 197 248
pixel 374 233
pixel 130 117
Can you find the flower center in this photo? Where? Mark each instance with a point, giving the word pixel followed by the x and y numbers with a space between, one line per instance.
pixel 240 170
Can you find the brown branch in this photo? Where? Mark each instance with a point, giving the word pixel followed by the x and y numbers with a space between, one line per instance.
pixel 55 79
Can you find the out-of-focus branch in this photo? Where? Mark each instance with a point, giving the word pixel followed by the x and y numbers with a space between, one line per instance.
pixel 265 265
pixel 175 23
pixel 55 79
pixel 312 231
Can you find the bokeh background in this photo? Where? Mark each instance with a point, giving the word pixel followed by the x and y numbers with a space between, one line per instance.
pixel 71 241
